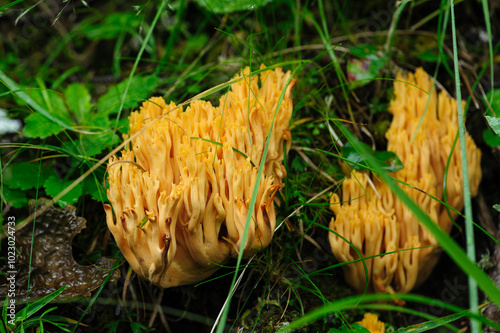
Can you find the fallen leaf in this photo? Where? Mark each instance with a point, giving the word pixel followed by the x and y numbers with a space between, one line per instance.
pixel 52 262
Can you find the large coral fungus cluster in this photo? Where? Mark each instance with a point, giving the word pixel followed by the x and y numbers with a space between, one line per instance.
pixel 375 221
pixel 181 194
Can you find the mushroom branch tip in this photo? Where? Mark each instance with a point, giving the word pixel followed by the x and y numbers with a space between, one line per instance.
pixel 376 222
pixel 180 193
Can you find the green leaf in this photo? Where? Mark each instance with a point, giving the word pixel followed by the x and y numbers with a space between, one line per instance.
pixel 140 88
pixel 229 6
pixel 99 121
pixel 113 326
pixel 363 51
pixel 78 100
pixel 137 327
pixel 390 161
pixel 124 125
pixel 428 55
pixel 494 123
pixel 491 138
pixel 494 97
pixel 23 176
pixel 365 68
pixel 53 186
pixel 38 126
pixel 15 198
pixel 497 207
pixel 196 43
pixel 113 25
pixel 91 144
pixel 51 101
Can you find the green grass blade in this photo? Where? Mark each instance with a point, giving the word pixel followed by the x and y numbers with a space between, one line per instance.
pixel 33 241
pixel 4 321
pixel 487 22
pixel 10 4
pixel 392 29
pixel 34 307
pixel 160 10
pixel 323 33
pixel 431 325
pixel 365 302
pixel 94 298
pixel 469 227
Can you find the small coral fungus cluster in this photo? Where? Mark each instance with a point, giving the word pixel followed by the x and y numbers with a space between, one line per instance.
pixel 181 193
pixel 375 221
pixel 371 322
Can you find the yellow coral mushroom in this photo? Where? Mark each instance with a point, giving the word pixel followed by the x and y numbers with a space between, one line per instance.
pixel 375 221
pixel 371 323
pixel 180 194
pixel 370 227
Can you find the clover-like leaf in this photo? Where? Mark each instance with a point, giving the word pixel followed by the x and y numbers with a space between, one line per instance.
pixel 493 96
pixel 78 100
pixel 38 126
pixel 15 198
pixel 23 176
pixel 52 104
pixel 53 186
pixel 91 144
pixel 497 207
pixel 491 138
pixel 494 123
pixel 139 90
